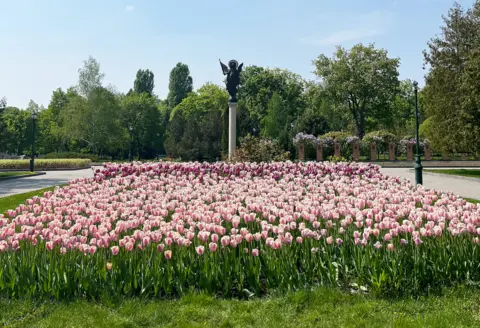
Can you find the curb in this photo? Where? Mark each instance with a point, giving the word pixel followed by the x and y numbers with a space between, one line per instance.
pixel 23 176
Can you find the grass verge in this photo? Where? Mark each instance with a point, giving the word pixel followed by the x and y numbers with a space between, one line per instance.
pixel 13 174
pixel 318 308
pixel 11 202
pixel 460 172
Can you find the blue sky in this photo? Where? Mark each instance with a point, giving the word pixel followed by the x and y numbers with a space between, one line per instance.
pixel 44 42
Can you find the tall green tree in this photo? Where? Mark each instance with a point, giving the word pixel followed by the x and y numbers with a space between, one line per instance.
pixel 89 77
pixel 143 120
pixel 195 128
pixel 452 91
pixel 364 78
pixel 144 82
pixel 95 121
pixel 180 84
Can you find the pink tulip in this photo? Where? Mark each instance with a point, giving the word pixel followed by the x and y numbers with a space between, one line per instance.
pixel 213 247
pixel 168 254
pixel 115 250
pixel 255 252
pixel 299 240
pixel 330 240
pixel 160 247
pixel 200 250
pixel 129 246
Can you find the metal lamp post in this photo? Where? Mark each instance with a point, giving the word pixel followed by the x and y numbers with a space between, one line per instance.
pixel 418 163
pixel 32 159
pixel 130 155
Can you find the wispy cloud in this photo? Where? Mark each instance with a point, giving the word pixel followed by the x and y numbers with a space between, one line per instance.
pixel 129 8
pixel 355 27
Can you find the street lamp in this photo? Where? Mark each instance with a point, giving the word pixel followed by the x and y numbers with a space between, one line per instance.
pixel 130 156
pixel 418 163
pixel 32 159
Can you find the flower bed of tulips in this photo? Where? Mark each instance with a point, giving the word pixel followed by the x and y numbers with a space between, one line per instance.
pixel 161 229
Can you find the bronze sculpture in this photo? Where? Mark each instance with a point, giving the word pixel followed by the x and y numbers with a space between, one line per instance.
pixel 232 71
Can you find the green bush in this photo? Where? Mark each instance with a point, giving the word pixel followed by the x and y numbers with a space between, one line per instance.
pixel 337 135
pixel 45 164
pixel 92 157
pixel 381 138
pixel 258 150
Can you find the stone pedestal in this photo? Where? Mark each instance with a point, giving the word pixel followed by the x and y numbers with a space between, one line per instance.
pixel 391 151
pixel 444 155
pixel 320 152
pixel 409 152
pixel 428 153
pixel 232 128
pixel 337 149
pixel 356 151
pixel 373 152
pixel 464 156
pixel 301 152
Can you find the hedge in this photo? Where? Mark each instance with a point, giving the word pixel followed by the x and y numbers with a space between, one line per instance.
pixel 92 157
pixel 44 164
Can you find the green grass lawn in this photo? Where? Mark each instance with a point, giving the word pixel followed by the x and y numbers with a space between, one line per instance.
pixel 460 172
pixel 320 307
pixel 11 202
pixel 13 174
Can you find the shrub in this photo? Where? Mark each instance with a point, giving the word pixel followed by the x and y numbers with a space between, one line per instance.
pixel 345 140
pixel 258 150
pixel 45 164
pixel 381 138
pixel 92 157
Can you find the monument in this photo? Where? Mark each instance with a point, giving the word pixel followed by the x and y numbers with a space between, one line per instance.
pixel 232 71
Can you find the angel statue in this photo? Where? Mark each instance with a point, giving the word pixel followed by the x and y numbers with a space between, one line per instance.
pixel 232 71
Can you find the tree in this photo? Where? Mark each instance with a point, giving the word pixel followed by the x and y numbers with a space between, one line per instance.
pixel 89 77
pixel 277 123
pixel 144 82
pixel 180 84
pixel 364 78
pixel 141 114
pixel 258 85
pixel 95 121
pixel 195 127
pixel 452 91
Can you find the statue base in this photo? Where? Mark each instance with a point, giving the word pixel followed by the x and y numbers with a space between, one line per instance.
pixel 232 127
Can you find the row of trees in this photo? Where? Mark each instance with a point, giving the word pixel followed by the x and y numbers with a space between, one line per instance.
pixel 357 91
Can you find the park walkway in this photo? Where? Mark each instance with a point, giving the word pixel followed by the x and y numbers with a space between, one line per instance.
pixel 51 178
pixel 461 187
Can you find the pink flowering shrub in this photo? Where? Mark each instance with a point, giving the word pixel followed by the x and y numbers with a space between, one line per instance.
pixel 165 228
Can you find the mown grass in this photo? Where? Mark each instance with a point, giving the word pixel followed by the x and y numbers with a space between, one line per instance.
pixel 460 172
pixel 318 308
pixel 11 202
pixel 13 174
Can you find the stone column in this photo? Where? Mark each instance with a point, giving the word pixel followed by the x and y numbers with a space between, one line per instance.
pixel 337 149
pixel 301 152
pixel 319 152
pixel 373 152
pixel 391 151
pixel 428 152
pixel 409 152
pixel 444 155
pixel 232 128
pixel 464 156
pixel 356 151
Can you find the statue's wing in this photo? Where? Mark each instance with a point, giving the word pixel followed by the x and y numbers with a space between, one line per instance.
pixel 240 67
pixel 224 68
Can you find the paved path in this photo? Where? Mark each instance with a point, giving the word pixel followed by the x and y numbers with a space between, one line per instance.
pixel 461 187
pixel 52 178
